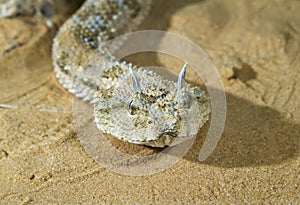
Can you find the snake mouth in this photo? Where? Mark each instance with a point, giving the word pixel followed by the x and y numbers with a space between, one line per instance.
pixel 165 139
pixel 168 133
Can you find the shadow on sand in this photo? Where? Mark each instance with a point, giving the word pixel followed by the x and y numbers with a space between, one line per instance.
pixel 253 136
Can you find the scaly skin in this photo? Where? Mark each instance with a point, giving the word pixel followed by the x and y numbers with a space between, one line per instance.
pixel 131 103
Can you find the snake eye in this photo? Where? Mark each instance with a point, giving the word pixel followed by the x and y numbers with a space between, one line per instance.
pixel 186 101
pixel 132 108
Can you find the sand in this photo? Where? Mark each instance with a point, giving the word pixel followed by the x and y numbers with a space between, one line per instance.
pixel 255 46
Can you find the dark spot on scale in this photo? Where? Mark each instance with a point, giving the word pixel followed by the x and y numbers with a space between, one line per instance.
pixel 32 177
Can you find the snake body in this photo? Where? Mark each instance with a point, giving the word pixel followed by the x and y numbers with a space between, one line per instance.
pixel 131 103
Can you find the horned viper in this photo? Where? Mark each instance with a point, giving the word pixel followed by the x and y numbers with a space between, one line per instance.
pixel 130 102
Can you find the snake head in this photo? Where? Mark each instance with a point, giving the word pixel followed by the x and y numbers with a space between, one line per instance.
pixel 144 108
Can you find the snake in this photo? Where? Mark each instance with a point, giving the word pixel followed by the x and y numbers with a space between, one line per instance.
pixel 131 102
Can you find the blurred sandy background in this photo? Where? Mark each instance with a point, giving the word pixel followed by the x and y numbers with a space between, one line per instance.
pixel 256 48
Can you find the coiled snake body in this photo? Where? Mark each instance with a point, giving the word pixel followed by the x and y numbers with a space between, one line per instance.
pixel 131 103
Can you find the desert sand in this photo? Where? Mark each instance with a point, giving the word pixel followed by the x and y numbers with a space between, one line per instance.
pixel 255 46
